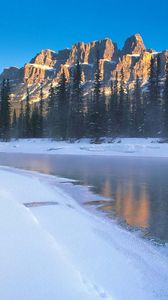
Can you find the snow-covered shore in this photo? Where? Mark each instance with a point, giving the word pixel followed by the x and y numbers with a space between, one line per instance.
pixel 61 251
pixel 120 147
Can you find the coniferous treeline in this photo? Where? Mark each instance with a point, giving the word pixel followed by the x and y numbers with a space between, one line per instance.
pixel 70 113
pixel 5 111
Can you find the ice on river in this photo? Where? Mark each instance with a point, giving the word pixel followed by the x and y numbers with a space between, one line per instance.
pixel 63 252
pixel 144 147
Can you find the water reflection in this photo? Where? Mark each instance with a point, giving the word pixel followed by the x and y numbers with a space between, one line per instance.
pixel 107 189
pixel 132 205
pixel 136 189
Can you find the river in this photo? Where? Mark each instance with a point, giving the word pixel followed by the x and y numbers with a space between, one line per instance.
pixel 132 191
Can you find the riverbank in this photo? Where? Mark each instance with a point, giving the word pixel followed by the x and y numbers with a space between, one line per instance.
pixel 51 248
pixel 119 147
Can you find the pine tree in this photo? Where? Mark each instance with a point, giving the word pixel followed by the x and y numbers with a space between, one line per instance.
pixel 21 123
pixel 27 116
pixel 15 132
pixel 149 95
pixel 122 107
pixel 5 110
pixel 159 113
pixel 97 107
pixel 126 115
pixel 88 114
pixel 138 115
pixel 104 113
pixel 113 108
pixel 3 86
pixel 76 114
pixel 152 122
pixel 35 121
pixel 165 102
pixel 40 119
pixel 97 99
pixel 63 107
pixel 108 113
pixel 51 112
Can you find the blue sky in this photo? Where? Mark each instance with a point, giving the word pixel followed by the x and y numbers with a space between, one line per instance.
pixel 26 27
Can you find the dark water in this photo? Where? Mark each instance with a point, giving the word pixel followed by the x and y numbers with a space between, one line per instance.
pixel 137 188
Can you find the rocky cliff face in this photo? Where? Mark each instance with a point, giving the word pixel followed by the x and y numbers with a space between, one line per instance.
pixel 133 45
pixel 13 74
pixel 47 65
pixel 86 53
pixel 45 58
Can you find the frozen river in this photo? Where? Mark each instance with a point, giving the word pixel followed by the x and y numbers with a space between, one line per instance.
pixel 134 191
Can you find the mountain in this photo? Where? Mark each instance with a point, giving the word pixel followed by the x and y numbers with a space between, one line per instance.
pixel 47 65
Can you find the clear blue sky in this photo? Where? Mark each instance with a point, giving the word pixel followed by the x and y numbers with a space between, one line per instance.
pixel 26 27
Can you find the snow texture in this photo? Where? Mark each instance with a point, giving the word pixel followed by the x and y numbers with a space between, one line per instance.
pixel 119 147
pixel 64 252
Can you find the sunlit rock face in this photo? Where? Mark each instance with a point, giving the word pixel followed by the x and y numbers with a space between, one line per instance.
pixel 40 67
pixel 47 66
pixel 45 58
pixel 134 45
pixel 36 74
pixel 142 67
pixel 126 64
pixel 87 53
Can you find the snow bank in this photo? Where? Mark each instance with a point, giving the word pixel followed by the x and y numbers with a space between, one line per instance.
pixel 119 147
pixel 63 252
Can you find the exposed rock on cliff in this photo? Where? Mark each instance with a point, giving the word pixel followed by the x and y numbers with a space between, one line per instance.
pixel 47 65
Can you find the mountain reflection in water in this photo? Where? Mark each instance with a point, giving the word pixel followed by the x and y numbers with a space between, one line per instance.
pixel 134 190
